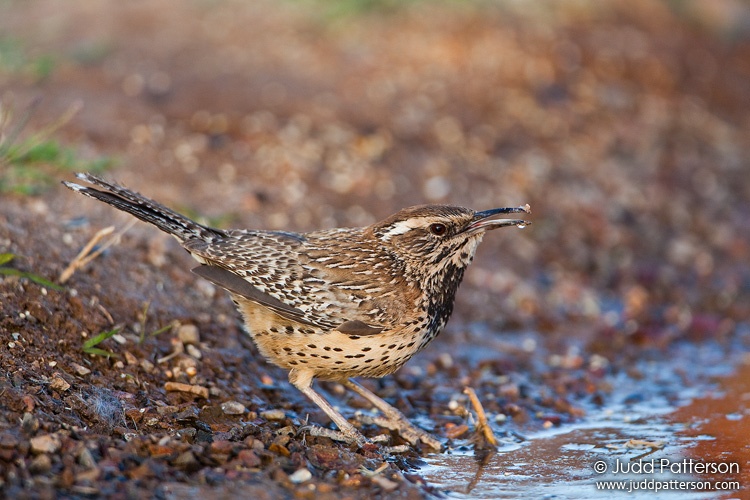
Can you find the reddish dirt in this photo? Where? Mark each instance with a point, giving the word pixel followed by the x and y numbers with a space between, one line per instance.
pixel 625 128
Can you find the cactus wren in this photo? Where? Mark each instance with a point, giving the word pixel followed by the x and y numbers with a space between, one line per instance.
pixel 337 303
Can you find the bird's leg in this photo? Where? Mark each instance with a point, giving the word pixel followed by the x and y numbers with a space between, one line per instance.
pixel 346 433
pixel 395 420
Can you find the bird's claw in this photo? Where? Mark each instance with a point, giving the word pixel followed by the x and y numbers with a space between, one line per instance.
pixel 344 437
pixel 407 431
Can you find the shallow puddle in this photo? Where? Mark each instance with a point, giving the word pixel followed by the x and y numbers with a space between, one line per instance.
pixel 655 448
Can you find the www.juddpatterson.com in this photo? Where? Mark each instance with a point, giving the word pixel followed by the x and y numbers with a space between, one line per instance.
pixel 673 484
pixel 665 466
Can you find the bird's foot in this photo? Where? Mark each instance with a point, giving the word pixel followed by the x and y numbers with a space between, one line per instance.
pixel 406 430
pixel 351 437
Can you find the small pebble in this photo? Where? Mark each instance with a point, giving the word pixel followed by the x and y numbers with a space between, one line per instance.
pixel 185 460
pixel 29 423
pixel 188 334
pixel 233 408
pixel 59 384
pixel 130 358
pixel 445 360
pixel 193 351
pixel 86 459
pixel 300 476
pixel 80 369
pixel 46 443
pixel 273 414
pixel 29 403
pixel 249 458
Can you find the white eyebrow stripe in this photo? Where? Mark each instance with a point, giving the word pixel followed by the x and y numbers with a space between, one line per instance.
pixel 401 227
pixel 404 226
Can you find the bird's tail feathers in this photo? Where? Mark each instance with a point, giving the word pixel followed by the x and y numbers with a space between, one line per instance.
pixel 143 208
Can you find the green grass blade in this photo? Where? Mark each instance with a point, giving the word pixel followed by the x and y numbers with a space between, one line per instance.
pixel 94 341
pixel 89 347
pixel 101 352
pixel 7 271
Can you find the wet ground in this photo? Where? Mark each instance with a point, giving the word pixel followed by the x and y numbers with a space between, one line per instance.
pixel 658 421
pixel 614 328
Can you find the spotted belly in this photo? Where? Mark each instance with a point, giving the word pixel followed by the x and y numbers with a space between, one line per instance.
pixel 330 355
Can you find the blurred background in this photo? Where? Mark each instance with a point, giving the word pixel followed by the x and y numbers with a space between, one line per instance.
pixel 625 126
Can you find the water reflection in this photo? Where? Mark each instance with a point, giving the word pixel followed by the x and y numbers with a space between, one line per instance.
pixel 676 425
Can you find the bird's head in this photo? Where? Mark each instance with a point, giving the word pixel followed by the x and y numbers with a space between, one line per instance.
pixel 438 236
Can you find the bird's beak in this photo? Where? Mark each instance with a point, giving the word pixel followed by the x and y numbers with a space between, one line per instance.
pixel 483 221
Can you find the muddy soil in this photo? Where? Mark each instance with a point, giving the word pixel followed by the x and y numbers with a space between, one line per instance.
pixel 625 127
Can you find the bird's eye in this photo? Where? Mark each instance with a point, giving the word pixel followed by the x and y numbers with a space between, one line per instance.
pixel 438 229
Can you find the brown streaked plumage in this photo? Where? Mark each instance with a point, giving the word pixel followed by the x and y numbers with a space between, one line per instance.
pixel 338 303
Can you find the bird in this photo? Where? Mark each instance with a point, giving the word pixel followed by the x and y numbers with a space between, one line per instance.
pixel 333 304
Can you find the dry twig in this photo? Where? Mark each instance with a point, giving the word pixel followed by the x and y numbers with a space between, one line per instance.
pixel 483 435
pixel 85 255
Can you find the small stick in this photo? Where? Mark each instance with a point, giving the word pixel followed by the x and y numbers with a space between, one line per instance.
pixel 179 348
pixel 196 390
pixel 483 427
pixel 84 257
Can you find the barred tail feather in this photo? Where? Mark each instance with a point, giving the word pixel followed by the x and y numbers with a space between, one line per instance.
pixel 144 208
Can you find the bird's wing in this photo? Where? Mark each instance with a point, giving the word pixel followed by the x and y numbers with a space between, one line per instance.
pixel 239 286
pixel 266 267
